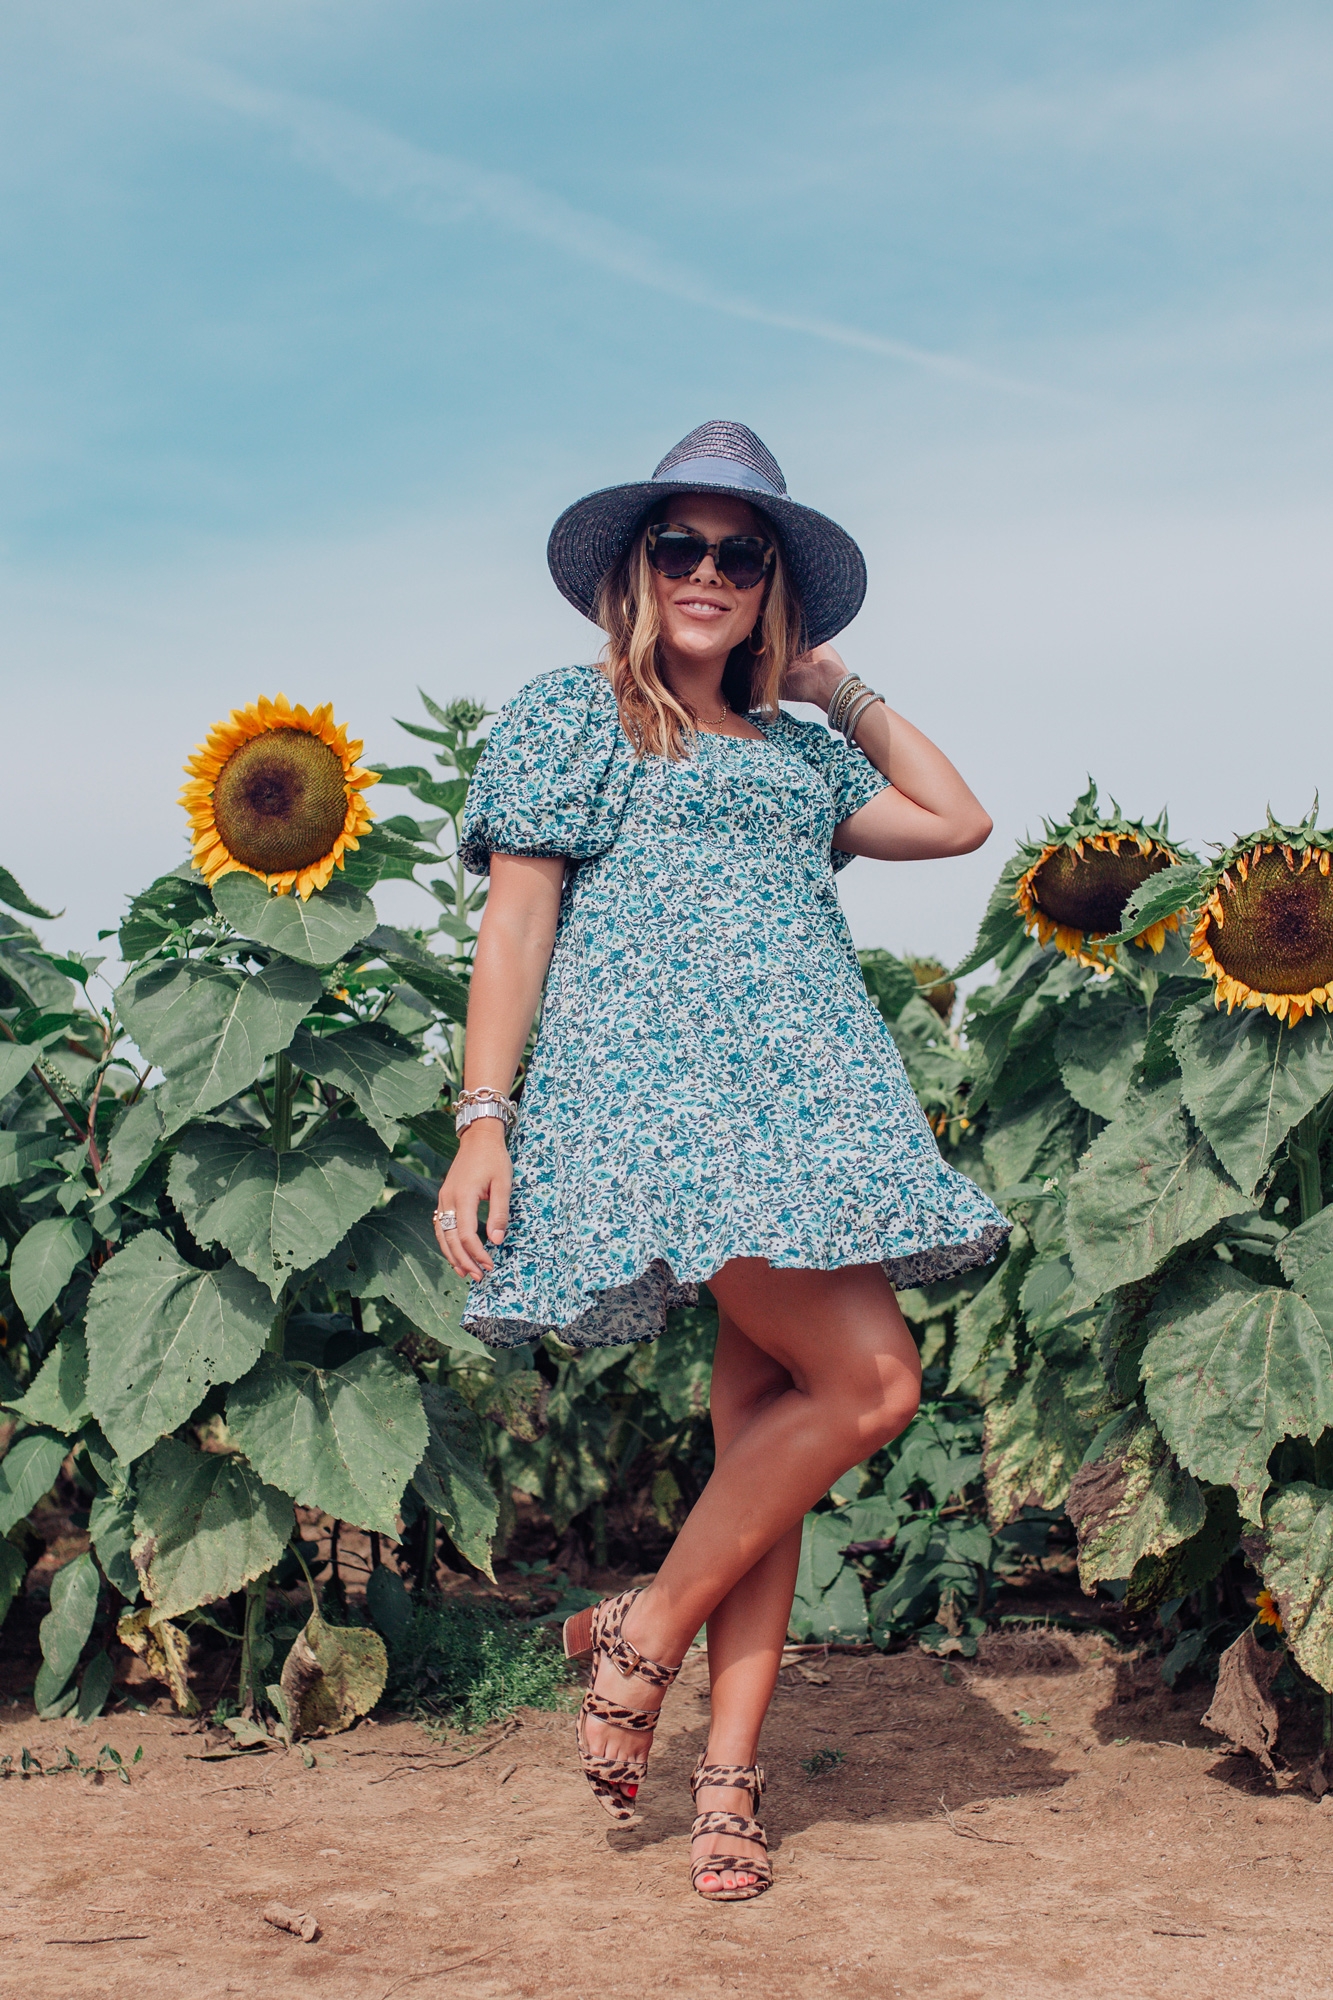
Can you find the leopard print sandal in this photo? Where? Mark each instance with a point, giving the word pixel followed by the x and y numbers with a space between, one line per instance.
pixel 748 1778
pixel 597 1634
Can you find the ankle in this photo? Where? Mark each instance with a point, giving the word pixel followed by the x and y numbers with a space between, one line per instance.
pixel 650 1634
pixel 731 1748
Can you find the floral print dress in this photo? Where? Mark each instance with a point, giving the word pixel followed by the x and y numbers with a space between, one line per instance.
pixel 711 1079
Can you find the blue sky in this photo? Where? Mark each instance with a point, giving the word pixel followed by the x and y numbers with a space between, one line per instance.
pixel 315 313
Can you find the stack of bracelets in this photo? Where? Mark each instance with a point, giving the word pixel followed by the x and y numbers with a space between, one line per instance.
pixel 848 703
pixel 487 1103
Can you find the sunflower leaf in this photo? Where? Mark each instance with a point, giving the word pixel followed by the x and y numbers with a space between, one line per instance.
pixel 64 1631
pixel 346 1440
pixel 377 1067
pixel 1148 1183
pixel 13 1572
pixel 160 1333
pixel 1002 924
pixel 451 1478
pixel 206 1524
pixel 1248 1079
pixel 1036 1440
pixel 1294 1550
pixel 27 1474
pixel 1307 1262
pixel 1163 895
pixel 111 1526
pixel 1231 1370
pixel 417 966
pixel 276 1213
pixel 170 904
pixel 57 1395
pixel 1097 1048
pixel 392 1254
pixel 317 930
pixel 14 899
pixel 44 1262
pixel 209 1028
pixel 383 855
pixel 20 1152
pixel 1129 1499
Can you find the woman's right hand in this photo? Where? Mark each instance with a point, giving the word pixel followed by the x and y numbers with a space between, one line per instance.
pixel 481 1172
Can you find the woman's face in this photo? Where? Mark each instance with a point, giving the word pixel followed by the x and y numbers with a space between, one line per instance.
pixel 703 616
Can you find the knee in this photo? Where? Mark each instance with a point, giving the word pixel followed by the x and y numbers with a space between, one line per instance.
pixel 889 1414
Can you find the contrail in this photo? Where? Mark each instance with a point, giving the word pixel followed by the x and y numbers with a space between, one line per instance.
pixel 376 165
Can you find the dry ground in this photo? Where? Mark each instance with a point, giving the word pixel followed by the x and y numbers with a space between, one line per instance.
pixel 1045 1820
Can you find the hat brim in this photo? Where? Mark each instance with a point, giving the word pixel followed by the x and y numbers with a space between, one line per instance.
pixel 825 567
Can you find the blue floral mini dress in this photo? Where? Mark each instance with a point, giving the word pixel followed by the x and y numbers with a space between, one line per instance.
pixel 710 1079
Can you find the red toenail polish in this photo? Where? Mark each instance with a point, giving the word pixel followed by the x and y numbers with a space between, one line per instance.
pixel 631 1791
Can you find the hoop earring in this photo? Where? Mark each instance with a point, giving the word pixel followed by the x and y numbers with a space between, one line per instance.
pixel 756 652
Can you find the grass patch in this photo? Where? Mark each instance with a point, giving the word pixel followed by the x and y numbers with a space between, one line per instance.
pixel 465 1662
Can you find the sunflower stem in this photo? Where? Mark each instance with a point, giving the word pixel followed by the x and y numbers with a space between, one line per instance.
pixel 284 1090
pixel 1305 1156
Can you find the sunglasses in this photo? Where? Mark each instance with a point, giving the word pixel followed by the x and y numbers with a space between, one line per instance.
pixel 744 560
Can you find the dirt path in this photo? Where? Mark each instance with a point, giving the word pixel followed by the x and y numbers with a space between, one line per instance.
pixel 1095 1843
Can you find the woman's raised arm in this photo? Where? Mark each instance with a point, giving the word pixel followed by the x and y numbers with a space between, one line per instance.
pixel 513 953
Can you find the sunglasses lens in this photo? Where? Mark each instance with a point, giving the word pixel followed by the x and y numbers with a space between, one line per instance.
pixel 743 560
pixel 676 551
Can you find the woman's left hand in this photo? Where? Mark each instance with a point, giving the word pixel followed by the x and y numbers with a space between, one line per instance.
pixel 814 676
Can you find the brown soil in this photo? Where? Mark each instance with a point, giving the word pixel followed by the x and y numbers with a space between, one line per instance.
pixel 1047 1819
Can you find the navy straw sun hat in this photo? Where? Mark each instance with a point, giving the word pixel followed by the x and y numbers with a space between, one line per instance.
pixel 826 568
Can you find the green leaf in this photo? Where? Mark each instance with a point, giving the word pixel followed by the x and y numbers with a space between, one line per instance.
pixel 986 1319
pixel 829 1604
pixel 13 1570
pixel 27 1474
pixel 22 1152
pixel 392 1254
pixel 1002 924
pixel 388 1604
pixel 211 1030
pixel 1234 1368
pixel 51 1697
pixel 382 855
pixel 1097 1047
pixel 136 1138
pixel 44 1262
pixel 65 1630
pixel 1295 1552
pixel 14 899
pixel 277 1213
pixel 160 1333
pixel 111 1526
pixel 436 979
pixel 1015 1135
pixel 1163 895
pixel 346 1440
pixel 379 1069
pixel 16 1059
pixel 1129 1499
pixel 331 1675
pixel 205 1525
pixel 1036 1441
pixel 317 931
pixel 1148 1183
pixel 98 1678
pixel 57 1395
pixel 1248 1078
pixel 171 904
pixel 451 1477
pixel 1191 1564
pixel 889 981
pixel 1307 1262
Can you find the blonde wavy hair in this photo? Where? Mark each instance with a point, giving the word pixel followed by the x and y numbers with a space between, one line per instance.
pixel 657 724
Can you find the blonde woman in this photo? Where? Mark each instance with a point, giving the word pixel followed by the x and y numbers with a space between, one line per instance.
pixel 712 1096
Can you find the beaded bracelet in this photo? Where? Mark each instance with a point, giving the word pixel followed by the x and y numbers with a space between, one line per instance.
pixel 846 692
pixel 867 700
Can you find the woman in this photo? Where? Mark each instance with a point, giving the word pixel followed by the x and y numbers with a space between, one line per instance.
pixel 712 1095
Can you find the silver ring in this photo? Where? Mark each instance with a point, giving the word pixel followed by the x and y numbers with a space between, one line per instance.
pixel 447 1219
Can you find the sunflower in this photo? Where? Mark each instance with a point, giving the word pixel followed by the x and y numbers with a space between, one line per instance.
pixel 937 989
pixel 1265 932
pixel 1075 888
pixel 1267 1612
pixel 276 792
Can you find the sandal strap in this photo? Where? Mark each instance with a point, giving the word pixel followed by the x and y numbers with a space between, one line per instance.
pixel 628 1661
pixel 716 1864
pixel 734 1824
pixel 603 1709
pixel 742 1777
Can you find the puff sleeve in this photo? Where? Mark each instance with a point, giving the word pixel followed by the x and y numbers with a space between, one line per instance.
pixel 555 775
pixel 852 779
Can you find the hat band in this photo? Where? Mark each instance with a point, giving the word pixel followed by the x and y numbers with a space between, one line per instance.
pixel 717 472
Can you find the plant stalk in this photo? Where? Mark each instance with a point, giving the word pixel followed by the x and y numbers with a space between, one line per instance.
pixel 1305 1156
pixel 256 1603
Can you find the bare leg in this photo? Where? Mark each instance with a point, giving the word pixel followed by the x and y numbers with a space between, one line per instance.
pixel 852 1378
pixel 748 1627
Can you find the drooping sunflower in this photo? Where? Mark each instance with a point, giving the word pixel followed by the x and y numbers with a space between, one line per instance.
pixel 1265 932
pixel 1077 882
pixel 277 792
pixel 937 989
